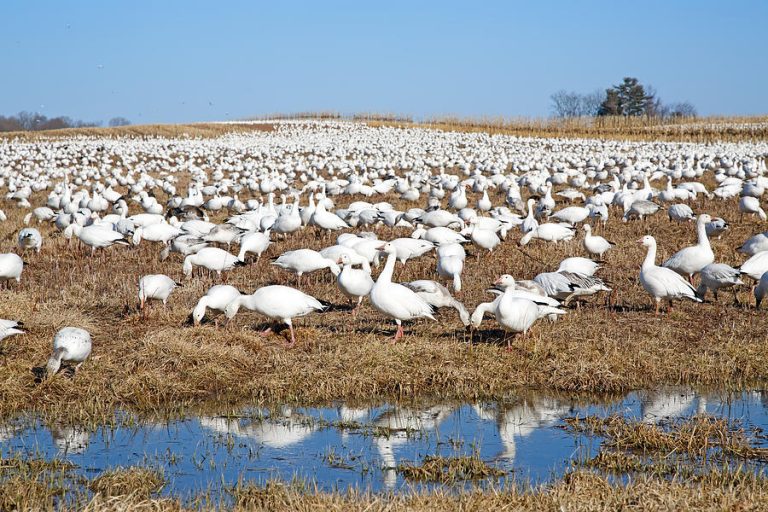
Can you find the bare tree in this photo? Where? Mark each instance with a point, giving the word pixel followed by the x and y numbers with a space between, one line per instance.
pixel 118 121
pixel 565 104
pixel 590 103
pixel 682 109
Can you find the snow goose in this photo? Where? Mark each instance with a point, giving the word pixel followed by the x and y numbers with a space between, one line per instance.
pixel 409 248
pixel 761 290
pixel 579 265
pixel 549 232
pixel 11 266
pixel 717 227
pixel 334 252
pixel 438 296
pixel 325 219
pixel 662 283
pixel 595 244
pixel 354 283
pixel 483 238
pixel 276 302
pixel 751 205
pixel 515 314
pixel 184 245
pixel 211 258
pixel 440 235
pixel 680 213
pixel 529 223
pixel 160 232
pixel 755 266
pixel 70 345
pixel 563 285
pixel 217 298
pixel 716 276
pixel 30 238
pixel 224 234
pixel 10 328
pixel 691 260
pixel 395 300
pixel 96 237
pixel 755 244
pixel 255 242
pixel 155 286
pixel 302 261
pixel 572 214
pixel 639 209
pixel 451 267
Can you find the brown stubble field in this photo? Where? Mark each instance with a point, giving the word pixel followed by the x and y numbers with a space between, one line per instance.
pixel 161 362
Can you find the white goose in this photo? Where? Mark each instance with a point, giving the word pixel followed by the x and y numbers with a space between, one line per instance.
pixel 70 345
pixel 354 283
pixel 157 287
pixel 751 205
pixel 662 283
pixel 549 232
pixel 302 261
pixel 30 238
pixel 395 300
pixel 451 267
pixel 277 302
pixel 95 237
pixel 716 276
pixel 211 258
pixel 438 296
pixel 761 290
pixel 691 260
pixel 217 298
pixel 11 267
pixel 255 242
pixel 10 328
pixel 595 244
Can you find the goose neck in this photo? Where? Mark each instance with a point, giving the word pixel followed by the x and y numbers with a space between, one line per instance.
pixel 650 257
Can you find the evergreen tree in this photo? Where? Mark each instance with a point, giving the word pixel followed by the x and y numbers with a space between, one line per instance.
pixel 610 105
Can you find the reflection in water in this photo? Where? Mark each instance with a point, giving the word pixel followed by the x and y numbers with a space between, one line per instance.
pixel 275 432
pixel 361 446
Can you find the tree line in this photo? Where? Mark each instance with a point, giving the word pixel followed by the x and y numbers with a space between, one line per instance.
pixel 630 99
pixel 35 121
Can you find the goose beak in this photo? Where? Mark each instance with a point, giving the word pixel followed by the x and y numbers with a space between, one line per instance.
pixel 338 261
pixel 497 281
pixel 640 241
pixel 381 247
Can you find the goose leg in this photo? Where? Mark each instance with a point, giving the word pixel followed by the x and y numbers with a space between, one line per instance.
pixel 658 303
pixel 399 333
pixel 266 332
pixel 293 335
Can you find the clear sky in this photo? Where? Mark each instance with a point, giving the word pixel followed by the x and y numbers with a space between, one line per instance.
pixel 186 60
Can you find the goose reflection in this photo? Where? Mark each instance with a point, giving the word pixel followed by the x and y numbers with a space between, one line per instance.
pixel 521 420
pixel 282 430
pixel 70 440
pixel 400 421
pixel 660 405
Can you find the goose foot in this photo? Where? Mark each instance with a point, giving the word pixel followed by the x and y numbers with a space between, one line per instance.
pixel 398 334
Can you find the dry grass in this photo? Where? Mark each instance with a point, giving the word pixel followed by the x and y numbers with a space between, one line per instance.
pixel 706 129
pixel 449 470
pixel 149 364
pixel 192 130
pixel 142 482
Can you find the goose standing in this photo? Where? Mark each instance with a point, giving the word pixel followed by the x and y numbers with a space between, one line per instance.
pixel 218 297
pixel 70 345
pixel 761 290
pixel 11 267
pixel 302 261
pixel 595 244
pixel 751 205
pixel 30 238
pixel 395 300
pixel 255 242
pixel 95 237
pixel 155 286
pixel 691 260
pixel 716 276
pixel 276 302
pixel 662 283
pixel 354 283
pixel 549 232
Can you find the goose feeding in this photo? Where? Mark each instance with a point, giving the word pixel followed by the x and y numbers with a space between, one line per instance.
pixel 640 209
pixel 595 244
pixel 216 298
pixel 662 283
pixel 276 302
pixel 395 300
pixel 354 283
pixel 549 232
pixel 96 237
pixel 157 287
pixel 761 290
pixel 680 213
pixel 691 260
pixel 255 242
pixel 211 258
pixel 70 345
pixel 755 266
pixel 751 205
pixel 302 261
pixel 451 267
pixel 438 296
pixel 579 265
pixel 717 227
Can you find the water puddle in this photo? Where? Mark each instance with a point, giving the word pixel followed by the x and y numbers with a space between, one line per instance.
pixel 339 446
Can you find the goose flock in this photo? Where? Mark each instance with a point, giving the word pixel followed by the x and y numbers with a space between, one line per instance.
pixel 369 201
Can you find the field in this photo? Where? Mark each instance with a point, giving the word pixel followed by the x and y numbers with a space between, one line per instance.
pixel 157 362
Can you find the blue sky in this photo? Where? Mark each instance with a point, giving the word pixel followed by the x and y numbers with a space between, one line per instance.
pixel 178 61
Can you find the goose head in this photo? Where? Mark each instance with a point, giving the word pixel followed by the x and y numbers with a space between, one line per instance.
pixel 647 241
pixel 505 281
